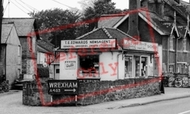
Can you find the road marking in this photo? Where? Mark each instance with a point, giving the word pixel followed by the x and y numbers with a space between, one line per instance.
pixel 185 112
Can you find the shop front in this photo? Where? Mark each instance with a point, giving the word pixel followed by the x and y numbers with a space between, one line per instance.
pixel 89 58
pixel 142 59
pixel 104 59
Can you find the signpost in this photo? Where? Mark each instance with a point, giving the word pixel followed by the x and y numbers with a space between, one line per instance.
pixel 63 87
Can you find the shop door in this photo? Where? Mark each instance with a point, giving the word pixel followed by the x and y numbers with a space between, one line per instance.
pixel 57 72
pixel 128 66
pixel 137 66
pixel 141 66
pixel 144 68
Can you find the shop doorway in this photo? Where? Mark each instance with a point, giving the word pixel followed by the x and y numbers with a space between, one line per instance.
pixel 144 68
pixel 57 72
pixel 128 66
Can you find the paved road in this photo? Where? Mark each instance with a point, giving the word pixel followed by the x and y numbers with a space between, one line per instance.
pixel 12 104
pixel 178 106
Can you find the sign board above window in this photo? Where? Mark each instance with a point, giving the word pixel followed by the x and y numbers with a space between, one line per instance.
pixel 88 43
pixel 139 45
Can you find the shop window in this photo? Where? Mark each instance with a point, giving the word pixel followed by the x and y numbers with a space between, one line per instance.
pixel 171 43
pixel 128 66
pixel 89 65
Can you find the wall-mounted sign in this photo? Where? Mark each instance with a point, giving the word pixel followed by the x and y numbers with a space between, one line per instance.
pixel 64 87
pixel 88 43
pixel 139 45
pixel 70 65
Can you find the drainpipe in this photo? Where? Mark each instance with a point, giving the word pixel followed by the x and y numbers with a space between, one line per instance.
pixel 1 18
pixel 118 63
pixel 168 55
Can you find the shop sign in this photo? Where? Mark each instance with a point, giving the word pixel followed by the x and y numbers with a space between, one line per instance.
pixel 139 45
pixel 90 43
pixel 70 65
pixel 63 87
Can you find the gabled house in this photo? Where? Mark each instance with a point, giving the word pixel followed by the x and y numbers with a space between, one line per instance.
pixel 176 46
pixel 11 54
pixel 140 24
pixel 45 54
pixel 169 26
pixel 24 27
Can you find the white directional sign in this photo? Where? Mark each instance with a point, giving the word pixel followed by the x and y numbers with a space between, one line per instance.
pixel 69 87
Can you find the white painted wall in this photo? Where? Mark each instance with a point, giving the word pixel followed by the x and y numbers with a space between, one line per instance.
pixel 66 72
pixel 109 66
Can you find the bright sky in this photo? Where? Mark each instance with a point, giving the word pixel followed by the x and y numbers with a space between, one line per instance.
pixel 20 8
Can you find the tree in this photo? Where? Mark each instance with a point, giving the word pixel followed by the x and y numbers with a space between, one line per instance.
pixel 56 18
pixel 94 11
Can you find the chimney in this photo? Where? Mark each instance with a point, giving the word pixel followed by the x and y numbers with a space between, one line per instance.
pixel 133 18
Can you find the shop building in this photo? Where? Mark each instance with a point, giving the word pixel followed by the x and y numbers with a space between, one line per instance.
pixel 107 54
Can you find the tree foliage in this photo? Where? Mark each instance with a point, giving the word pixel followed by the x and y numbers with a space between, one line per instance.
pixel 55 19
pixel 58 18
pixel 94 11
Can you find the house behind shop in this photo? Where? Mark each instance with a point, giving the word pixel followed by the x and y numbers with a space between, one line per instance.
pixel 24 27
pixel 11 53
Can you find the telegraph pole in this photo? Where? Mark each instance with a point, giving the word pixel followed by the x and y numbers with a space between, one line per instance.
pixel 1 18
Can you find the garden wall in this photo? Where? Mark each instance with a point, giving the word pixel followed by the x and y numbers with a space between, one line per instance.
pixel 94 91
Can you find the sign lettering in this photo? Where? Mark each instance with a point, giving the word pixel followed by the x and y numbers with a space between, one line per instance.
pixel 90 43
pixel 63 87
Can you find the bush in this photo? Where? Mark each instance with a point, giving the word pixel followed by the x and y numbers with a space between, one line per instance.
pixel 43 72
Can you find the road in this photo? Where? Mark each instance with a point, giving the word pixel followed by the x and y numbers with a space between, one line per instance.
pixel 12 104
pixel 178 106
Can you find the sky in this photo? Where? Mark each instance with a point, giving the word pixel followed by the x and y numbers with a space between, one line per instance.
pixel 20 8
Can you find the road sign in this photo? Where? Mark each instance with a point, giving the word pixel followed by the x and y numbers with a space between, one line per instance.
pixel 67 87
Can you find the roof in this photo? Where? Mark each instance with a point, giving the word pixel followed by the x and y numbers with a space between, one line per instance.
pixel 106 33
pixel 112 22
pixel 6 29
pixel 109 20
pixel 44 45
pixel 155 21
pixel 24 26
pixel 183 8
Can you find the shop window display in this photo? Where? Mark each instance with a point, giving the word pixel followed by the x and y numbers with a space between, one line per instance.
pixel 89 65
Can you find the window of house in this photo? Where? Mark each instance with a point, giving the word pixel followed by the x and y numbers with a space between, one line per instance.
pixel 19 50
pixel 171 68
pixel 184 44
pixel 89 65
pixel 171 42
pixel 57 71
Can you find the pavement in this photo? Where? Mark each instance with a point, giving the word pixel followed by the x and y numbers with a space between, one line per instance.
pixel 170 94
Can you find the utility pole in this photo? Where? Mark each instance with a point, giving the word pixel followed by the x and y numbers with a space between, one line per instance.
pixel 1 18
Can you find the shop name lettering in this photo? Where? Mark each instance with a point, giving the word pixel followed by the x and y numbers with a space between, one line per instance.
pixel 86 42
pixel 63 85
pixel 126 42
